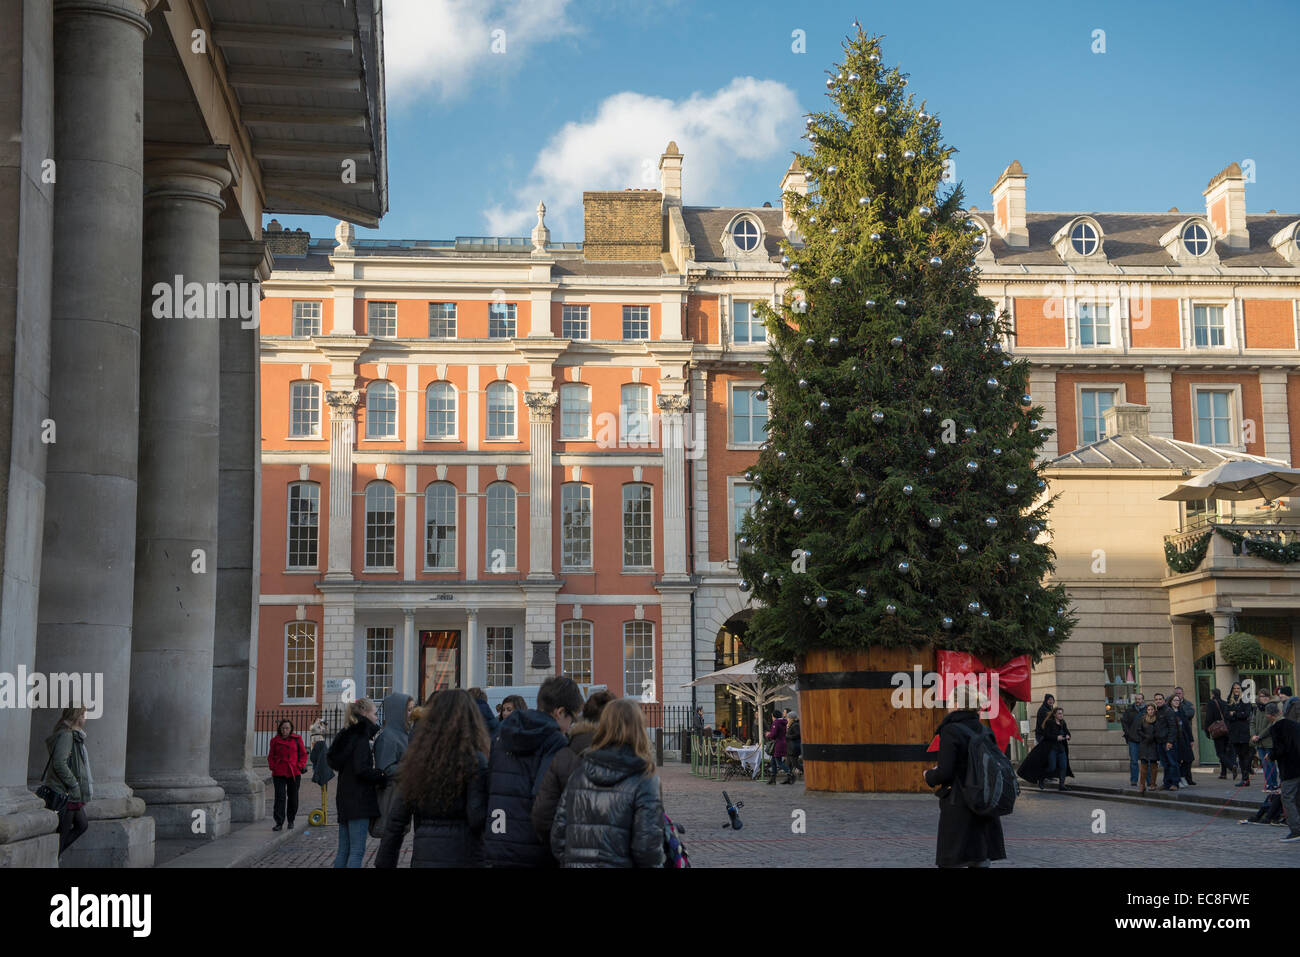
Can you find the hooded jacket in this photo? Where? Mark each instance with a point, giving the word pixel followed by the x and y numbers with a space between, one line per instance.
pixel 69 769
pixel 444 837
pixel 390 743
pixel 351 757
pixel 521 754
pixel 566 761
pixel 1044 712
pixel 1258 720
pixel 611 814
pixel 964 837
pixel 1285 738
pixel 776 733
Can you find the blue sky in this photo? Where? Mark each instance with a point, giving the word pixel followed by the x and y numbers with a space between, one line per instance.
pixel 586 94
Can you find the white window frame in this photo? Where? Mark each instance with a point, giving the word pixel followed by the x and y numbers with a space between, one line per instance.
pixel 395 435
pixel 452 319
pixel 584 491
pixel 512 566
pixel 511 316
pixel 636 693
pixel 455 528
pixel 622 528
pixel 365 528
pixel 572 388
pixel 1079 389
pixel 295 318
pixel 488 641
pixel 1095 239
pixel 315 434
pixel 586 637
pixel 733 482
pixel 1182 238
pixel 455 413
pixel 514 413
pixel 288 534
pixel 1229 324
pixel 370 690
pixel 751 323
pixel 625 317
pixel 756 235
pixel 751 384
pixel 585 310
pixel 1236 419
pixel 1112 316
pixel 371 318
pixel 315 647
pixel 642 439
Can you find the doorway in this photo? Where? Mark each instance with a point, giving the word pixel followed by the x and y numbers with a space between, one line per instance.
pixel 439 662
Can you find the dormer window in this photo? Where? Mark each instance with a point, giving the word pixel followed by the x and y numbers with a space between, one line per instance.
pixel 1196 239
pixel 745 234
pixel 1083 238
pixel 981 236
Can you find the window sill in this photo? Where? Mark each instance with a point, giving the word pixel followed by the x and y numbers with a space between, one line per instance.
pixel 441 438
pixel 501 441
pixel 304 438
pixel 386 438
pixel 297 703
pixel 733 447
pixel 586 570
pixel 637 571
pixel 440 571
pixel 302 571
pixel 379 571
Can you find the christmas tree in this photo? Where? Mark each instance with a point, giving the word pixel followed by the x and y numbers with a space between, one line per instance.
pixel 900 502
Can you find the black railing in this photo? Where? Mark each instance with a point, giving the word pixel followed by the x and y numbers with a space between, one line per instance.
pixel 303 716
pixel 669 727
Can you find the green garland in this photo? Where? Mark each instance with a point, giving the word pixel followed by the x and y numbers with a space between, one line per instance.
pixel 1191 556
pixel 1187 560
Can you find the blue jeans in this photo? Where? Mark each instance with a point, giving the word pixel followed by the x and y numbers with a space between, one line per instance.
pixel 352 842
pixel 1169 758
pixel 1132 762
pixel 1270 768
pixel 1057 763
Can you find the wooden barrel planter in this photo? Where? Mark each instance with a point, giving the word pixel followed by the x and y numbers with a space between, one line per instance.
pixel 854 739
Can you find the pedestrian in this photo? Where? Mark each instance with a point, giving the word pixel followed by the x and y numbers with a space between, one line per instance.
pixel 1215 712
pixel 965 839
pixel 1183 747
pixel 1285 741
pixel 1238 714
pixel 490 720
pixel 1044 712
pixel 697 722
pixel 1270 811
pixel 565 762
pixel 794 743
pixel 390 745
pixel 1259 725
pixel 1167 738
pixel 612 813
pixel 1134 713
pixel 776 734
pixel 1056 735
pixel 287 758
pixel 1186 707
pixel 524 747
pixel 1148 749
pixel 355 797
pixel 441 787
pixel 67 784
pixel 511 704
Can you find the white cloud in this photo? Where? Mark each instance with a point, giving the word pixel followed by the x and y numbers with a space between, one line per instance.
pixel 439 46
pixel 719 134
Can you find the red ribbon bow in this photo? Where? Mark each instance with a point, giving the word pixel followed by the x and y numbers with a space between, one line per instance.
pixel 961 667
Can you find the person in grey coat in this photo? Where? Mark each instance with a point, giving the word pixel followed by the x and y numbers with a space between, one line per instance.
pixel 611 814
pixel 67 774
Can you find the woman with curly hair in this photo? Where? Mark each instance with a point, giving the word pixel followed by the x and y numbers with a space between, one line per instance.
pixel 442 784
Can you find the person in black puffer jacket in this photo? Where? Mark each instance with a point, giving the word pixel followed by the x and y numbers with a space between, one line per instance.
pixel 355 796
pixel 521 754
pixel 1237 713
pixel 565 763
pixel 965 839
pixel 612 813
pixel 443 786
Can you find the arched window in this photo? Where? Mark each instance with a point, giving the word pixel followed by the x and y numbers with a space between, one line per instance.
pixel 745 234
pixel 440 526
pixel 300 661
pixel 440 410
pixel 634 414
pixel 304 410
pixel 575 525
pixel 501 411
pixel 500 555
pixel 1196 239
pixel 1083 237
pixel 381 411
pixel 304 525
pixel 575 411
pixel 381 526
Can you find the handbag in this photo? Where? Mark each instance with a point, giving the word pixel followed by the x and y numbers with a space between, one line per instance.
pixel 55 801
pixel 1217 729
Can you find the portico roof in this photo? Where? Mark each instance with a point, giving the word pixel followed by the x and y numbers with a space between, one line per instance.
pixel 1152 452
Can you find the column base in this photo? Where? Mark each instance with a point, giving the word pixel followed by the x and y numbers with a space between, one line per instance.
pixel 112 842
pixel 27 831
pixel 187 811
pixel 246 793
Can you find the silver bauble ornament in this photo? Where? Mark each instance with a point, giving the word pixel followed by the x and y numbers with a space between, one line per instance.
pixel 1006 363
pixel 935 521
pixel 807 424
pixel 744 585
pixel 973 607
pixel 879 109
pixel 996 348
pixel 874 58
pixel 767 577
pixel 794 267
pixel 844 460
pixel 833 341
pixel 896 341
pixel 761 395
pixel 963 548
pixel 948 333
pixel 785 260
pixel 908 155
pixel 1012 488
pixel 807 600
pixel 780 456
pixel 830 82
pixel 1051 630
pixel 790 503
pixel 860 497
pixel 997 451
pixel 835 230
pixel 875 237
pixel 937 369
pixel 835 280
pixel 991 522
pixel 1026 398
pixel 891 609
pixel 743 540
pixel 927 411
pixel 900 303
pixel 803 383
pixel 853 78
pixel 882 156
pixel 924 211
pixel 861 593
pixel 877 417
pixel 1014 558
pixel 972 466
pixel 823 405
pixel 968 431
pixel 931 452
pixel 984 613
pixel 810 341
pixel 991 382
pixel 936 261
pixel 923 116
pixel 946 623
pixel 1033 423
pixel 870 304
pixel 863 201
pixel 1042 483
pixel 822 601
pixel 832 170
pixel 973 318
pixel 904 567
pixel 798 513
pixel 907 490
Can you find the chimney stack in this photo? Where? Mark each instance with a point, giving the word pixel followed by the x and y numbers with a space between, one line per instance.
pixel 1225 207
pixel 795 180
pixel 1127 419
pixel 1009 206
pixel 670 174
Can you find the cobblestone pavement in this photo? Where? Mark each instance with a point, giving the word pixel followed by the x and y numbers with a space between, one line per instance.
pixel 855 830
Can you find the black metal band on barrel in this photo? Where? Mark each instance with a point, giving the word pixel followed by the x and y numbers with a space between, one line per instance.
pixel 866 752
pixel 832 680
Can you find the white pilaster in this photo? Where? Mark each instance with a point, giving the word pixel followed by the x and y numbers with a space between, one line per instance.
pixel 1042 386
pixel 541 406
pixel 672 430
pixel 472 570
pixel 410 654
pixel 539 628
pixel 1160 399
pixel 410 498
pixel 343 408
pixel 1276 425
pixel 471 654
pixel 700 469
pixel 337 642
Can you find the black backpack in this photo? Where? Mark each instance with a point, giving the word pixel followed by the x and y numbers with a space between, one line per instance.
pixel 989 786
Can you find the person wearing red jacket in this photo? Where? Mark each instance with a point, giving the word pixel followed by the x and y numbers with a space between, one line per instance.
pixel 288 760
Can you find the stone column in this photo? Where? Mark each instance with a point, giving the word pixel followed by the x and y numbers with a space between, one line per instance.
pixel 87 568
pixel 338 646
pixel 1224 673
pixel 672 410
pixel 541 405
pixel 234 664
pixel 410 655
pixel 675 640
pixel 169 747
pixel 470 654
pixel 539 633
pixel 343 410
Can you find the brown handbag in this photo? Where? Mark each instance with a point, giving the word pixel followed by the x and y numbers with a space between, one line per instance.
pixel 1217 730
